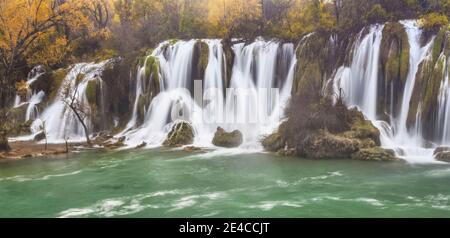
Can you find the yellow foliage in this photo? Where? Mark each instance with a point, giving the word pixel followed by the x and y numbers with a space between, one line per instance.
pixel 433 20
pixel 34 30
pixel 225 16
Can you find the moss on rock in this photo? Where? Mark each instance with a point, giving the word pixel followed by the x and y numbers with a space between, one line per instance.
pixel 324 145
pixel 181 134
pixel 227 139
pixel 91 92
pixel 375 154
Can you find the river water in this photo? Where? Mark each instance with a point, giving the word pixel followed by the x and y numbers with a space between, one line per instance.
pixel 161 183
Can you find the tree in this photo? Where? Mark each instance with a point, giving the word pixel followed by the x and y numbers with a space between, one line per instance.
pixel 233 18
pixel 4 145
pixel 71 99
pixel 35 31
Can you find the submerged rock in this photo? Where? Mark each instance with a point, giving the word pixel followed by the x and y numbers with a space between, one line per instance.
pixel 142 145
pixel 375 154
pixel 181 134
pixel 39 136
pixel 227 139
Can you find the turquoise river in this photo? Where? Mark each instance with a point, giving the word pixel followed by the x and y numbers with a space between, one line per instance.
pixel 157 183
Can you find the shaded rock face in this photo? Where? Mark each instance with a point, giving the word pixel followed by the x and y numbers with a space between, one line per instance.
pixel 150 85
pixel 200 60
pixel 375 154
pixel 181 134
pixel 227 139
pixel 4 145
pixel 427 88
pixel 394 63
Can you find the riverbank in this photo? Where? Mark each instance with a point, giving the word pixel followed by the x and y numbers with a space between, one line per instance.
pixel 30 149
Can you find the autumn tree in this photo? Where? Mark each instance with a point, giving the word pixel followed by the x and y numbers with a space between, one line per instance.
pixel 35 31
pixel 233 18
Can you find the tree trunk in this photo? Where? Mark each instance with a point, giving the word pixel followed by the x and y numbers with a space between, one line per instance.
pixel 86 132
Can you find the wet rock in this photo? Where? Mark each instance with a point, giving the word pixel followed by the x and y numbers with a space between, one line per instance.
pixel 181 134
pixel 363 130
pixel 227 139
pixel 441 149
pixel 191 149
pixel 324 145
pixel 375 154
pixel 39 136
pixel 142 145
pixel 442 154
pixel 273 142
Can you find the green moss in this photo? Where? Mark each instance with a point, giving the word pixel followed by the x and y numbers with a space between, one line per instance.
pixel 91 91
pixel 375 154
pixel 181 134
pixel 57 78
pixel 173 41
pixel 204 57
pixel 105 54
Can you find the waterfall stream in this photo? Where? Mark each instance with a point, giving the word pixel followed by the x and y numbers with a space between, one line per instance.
pixel 359 83
pixel 249 104
pixel 60 121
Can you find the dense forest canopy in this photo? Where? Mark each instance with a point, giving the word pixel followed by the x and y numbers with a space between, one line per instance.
pixel 55 33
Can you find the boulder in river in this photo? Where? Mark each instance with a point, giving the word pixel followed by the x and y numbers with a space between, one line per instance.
pixel 227 139
pixel 442 154
pixel 375 154
pixel 181 134
pixel 39 136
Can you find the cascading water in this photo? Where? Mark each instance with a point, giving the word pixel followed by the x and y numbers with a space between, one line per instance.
pixel 60 121
pixel 359 83
pixel 32 98
pixel 253 70
pixel 444 105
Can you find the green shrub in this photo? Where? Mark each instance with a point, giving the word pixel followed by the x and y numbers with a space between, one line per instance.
pixel 433 21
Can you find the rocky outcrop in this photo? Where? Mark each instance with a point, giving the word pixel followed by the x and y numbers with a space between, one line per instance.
pixel 324 145
pixel 428 82
pixel 227 139
pixel 181 134
pixel 322 130
pixel 375 154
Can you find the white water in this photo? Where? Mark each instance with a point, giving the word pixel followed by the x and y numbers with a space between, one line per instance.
pixel 60 121
pixel 444 105
pixel 32 98
pixel 254 69
pixel 359 83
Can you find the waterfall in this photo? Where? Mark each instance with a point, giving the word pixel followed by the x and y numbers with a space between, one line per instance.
pixel 60 121
pixel 32 98
pixel 444 104
pixel 240 107
pixel 359 83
